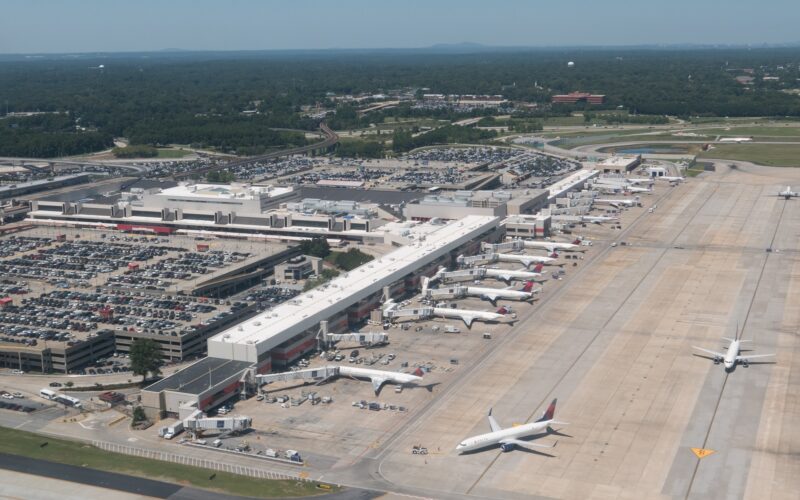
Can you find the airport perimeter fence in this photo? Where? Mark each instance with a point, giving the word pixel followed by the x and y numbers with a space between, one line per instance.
pixel 195 462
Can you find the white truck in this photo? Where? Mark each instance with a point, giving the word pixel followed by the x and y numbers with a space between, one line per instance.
pixel 173 430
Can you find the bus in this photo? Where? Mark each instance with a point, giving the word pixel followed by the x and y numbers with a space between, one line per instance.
pixel 47 394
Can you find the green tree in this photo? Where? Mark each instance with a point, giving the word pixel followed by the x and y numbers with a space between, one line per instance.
pixel 138 414
pixel 316 247
pixel 145 358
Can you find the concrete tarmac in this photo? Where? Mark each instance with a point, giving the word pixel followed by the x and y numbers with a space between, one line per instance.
pixel 615 348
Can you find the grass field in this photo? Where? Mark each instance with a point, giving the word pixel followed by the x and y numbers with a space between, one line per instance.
pixel 787 131
pixel 172 153
pixel 27 444
pixel 775 155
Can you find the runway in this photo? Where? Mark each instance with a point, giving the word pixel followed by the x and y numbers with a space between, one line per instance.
pixel 615 348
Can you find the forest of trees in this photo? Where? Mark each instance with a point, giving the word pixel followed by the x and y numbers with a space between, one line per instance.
pixel 199 98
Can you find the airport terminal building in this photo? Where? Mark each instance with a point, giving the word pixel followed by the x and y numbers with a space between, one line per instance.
pixel 281 335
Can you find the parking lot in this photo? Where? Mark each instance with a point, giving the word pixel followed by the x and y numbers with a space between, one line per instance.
pixel 67 288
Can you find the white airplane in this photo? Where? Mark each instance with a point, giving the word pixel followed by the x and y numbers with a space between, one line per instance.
pixel 598 219
pixel 635 189
pixel 525 260
pixel 468 316
pixel 788 193
pixel 669 178
pixel 552 246
pixel 479 273
pixel 486 293
pixel 510 275
pixel 390 310
pixel 380 377
pixel 509 438
pixel 640 180
pixel 625 202
pixel 731 357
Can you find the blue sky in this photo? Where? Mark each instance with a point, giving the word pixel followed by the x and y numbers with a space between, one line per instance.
pixel 141 25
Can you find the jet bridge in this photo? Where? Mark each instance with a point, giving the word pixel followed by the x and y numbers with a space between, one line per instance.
pixel 311 374
pixel 507 246
pixel 364 339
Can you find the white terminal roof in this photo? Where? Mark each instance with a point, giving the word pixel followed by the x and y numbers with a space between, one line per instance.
pixel 254 337
pixel 570 182
pixel 223 191
pixel 618 161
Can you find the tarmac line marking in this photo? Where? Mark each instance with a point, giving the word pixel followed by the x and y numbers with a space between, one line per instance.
pixel 702 452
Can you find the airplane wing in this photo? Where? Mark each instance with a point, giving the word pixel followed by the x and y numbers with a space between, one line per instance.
pixel 467 320
pixel 525 444
pixel 493 423
pixel 713 353
pixel 377 382
pixel 741 358
pixel 491 297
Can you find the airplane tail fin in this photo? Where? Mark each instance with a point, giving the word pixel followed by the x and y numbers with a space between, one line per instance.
pixel 576 242
pixel 528 286
pixel 418 372
pixel 538 268
pixel 549 413
pixel 554 255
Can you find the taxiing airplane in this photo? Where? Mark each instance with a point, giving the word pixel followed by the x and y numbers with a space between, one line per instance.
pixel 731 357
pixel 509 438
pixel 788 193
pixel 380 377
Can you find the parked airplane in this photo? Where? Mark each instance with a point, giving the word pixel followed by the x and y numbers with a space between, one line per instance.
pixel 552 246
pixel 598 219
pixel 468 316
pixel 380 377
pixel 625 202
pixel 731 357
pixel 669 178
pixel 509 438
pixel 490 294
pixel 510 275
pixel 788 193
pixel 391 310
pixel 635 189
pixel 479 273
pixel 525 260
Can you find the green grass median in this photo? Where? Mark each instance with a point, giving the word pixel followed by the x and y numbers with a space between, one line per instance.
pixel 63 451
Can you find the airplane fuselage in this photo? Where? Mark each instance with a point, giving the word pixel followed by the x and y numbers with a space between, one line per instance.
pixel 508 275
pixel 494 438
pixel 730 355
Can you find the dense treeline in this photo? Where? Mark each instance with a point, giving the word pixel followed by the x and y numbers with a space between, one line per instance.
pixel 199 98
pixel 244 135
pixel 360 149
pixel 403 140
pixel 47 136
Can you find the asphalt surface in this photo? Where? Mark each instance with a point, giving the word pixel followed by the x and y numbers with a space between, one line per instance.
pixel 75 474
pixel 137 485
